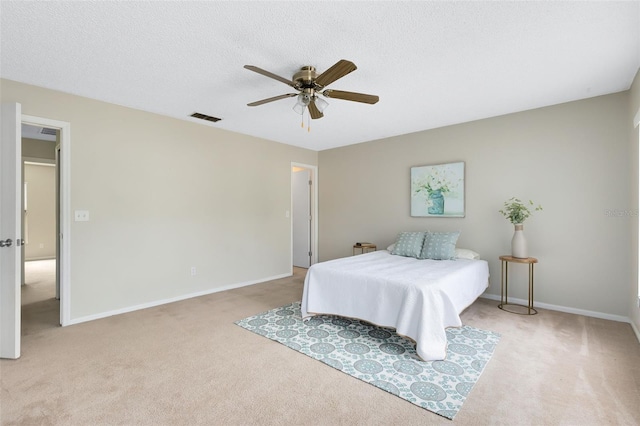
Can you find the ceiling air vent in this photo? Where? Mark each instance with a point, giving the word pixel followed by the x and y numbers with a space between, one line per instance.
pixel 45 131
pixel 205 117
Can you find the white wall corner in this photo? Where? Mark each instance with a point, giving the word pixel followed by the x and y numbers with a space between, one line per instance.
pixel 635 330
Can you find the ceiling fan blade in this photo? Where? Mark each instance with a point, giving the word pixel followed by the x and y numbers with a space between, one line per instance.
pixel 269 74
pixel 338 70
pixel 275 98
pixel 314 112
pixel 351 96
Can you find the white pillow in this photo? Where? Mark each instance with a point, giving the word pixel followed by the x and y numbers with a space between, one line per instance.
pixel 391 247
pixel 466 254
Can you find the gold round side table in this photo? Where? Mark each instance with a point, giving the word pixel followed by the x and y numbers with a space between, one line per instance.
pixel 504 285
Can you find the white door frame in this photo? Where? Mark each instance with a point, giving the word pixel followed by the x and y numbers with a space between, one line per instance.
pixel 314 211
pixel 65 210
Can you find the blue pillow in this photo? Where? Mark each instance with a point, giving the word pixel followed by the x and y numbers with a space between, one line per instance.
pixel 409 244
pixel 439 245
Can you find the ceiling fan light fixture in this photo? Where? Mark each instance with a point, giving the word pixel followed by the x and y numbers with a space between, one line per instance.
pixel 299 108
pixel 302 102
pixel 321 104
pixel 304 99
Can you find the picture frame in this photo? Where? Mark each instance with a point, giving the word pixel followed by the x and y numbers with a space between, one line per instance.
pixel 437 190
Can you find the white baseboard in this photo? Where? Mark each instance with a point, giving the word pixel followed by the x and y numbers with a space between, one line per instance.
pixel 247 283
pixel 566 309
pixel 171 300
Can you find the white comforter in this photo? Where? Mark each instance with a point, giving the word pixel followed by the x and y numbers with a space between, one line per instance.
pixel 419 298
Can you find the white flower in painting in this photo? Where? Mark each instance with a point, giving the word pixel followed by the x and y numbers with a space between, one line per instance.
pixel 438 178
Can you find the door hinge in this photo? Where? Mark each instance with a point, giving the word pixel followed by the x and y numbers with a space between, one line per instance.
pixel 309 254
pixel 309 183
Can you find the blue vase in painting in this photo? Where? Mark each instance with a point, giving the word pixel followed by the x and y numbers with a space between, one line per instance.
pixel 436 202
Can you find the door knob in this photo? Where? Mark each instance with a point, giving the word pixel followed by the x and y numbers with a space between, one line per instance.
pixel 6 243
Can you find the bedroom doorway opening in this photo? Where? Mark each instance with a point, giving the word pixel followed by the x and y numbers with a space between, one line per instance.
pixel 40 302
pixel 62 155
pixel 303 215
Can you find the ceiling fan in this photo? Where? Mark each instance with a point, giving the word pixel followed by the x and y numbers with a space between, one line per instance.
pixel 309 84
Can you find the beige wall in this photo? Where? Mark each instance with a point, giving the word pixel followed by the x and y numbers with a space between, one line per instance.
pixel 165 195
pixel 34 148
pixel 40 224
pixel 634 107
pixel 571 158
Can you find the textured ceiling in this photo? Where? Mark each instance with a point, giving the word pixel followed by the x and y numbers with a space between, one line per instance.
pixel 432 63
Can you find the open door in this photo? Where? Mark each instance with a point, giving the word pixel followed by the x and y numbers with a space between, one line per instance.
pixel 10 230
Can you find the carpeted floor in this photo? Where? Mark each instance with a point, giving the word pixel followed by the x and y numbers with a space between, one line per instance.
pixel 382 358
pixel 187 363
pixel 40 308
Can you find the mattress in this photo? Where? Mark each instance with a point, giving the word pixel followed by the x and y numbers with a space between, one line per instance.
pixel 419 298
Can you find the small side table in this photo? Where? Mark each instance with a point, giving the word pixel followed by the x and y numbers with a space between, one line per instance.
pixel 504 285
pixel 364 248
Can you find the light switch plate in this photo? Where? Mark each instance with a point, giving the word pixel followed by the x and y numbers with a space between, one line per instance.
pixel 82 215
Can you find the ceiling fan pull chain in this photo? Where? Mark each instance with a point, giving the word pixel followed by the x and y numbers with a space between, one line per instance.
pixel 308 121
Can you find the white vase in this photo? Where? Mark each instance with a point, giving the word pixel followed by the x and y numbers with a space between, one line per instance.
pixel 519 243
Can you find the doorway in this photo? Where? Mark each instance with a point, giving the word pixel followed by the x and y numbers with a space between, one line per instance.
pixel 40 228
pixel 63 230
pixel 304 212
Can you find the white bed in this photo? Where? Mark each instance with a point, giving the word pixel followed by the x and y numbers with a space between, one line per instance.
pixel 417 297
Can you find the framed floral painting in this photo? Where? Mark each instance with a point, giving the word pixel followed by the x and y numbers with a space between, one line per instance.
pixel 438 190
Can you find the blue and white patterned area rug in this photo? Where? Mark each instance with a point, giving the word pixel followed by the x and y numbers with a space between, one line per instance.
pixel 381 357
